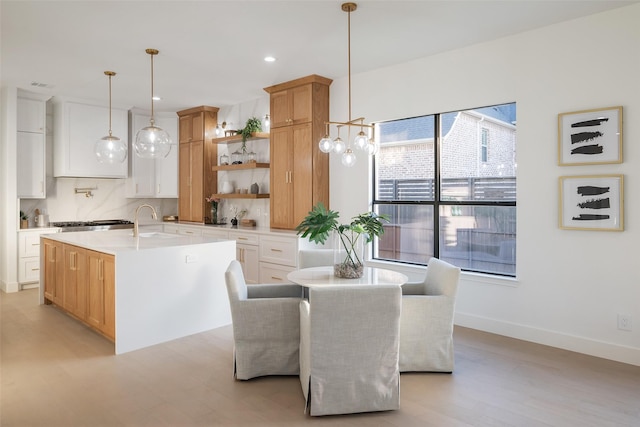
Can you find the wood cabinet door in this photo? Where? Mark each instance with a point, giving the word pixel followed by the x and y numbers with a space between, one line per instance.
pixel 279 109
pixel 101 293
pixel 185 133
pixel 53 271
pixel 302 177
pixel 197 181
pixel 184 182
pixel 301 104
pixel 280 177
pixel 75 280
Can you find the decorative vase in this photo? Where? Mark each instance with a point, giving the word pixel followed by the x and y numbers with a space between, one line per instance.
pixel 254 188
pixel 348 255
pixel 214 213
pixel 227 188
pixel 24 223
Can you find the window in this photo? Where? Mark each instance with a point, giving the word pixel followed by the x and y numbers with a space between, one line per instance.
pixel 484 145
pixel 429 175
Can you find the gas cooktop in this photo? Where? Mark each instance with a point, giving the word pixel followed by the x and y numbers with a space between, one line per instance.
pixel 102 224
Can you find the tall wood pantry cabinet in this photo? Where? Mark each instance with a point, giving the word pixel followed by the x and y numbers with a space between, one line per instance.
pixel 196 156
pixel 299 175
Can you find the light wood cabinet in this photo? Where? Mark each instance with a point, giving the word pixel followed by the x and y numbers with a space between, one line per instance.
pixel 196 158
pixel 75 280
pixel 53 271
pixel 101 293
pixel 299 175
pixel 81 282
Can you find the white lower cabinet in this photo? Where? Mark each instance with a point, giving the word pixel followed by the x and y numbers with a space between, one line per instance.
pixel 278 257
pixel 247 254
pixel 29 256
pixel 266 256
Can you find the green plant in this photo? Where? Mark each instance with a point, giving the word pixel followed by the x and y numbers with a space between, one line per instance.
pixel 23 215
pixel 253 125
pixel 320 222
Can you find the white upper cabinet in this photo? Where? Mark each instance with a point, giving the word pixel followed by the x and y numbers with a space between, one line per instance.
pixel 153 177
pixel 31 145
pixel 77 127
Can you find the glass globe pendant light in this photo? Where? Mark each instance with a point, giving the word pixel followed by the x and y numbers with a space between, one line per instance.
pixel 152 142
pixel 110 149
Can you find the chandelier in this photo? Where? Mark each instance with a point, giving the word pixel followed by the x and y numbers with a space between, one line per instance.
pixel 362 140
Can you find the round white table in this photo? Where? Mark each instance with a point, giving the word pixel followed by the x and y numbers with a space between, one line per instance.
pixel 323 276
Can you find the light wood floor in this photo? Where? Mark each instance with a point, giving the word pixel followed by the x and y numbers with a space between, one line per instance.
pixel 56 372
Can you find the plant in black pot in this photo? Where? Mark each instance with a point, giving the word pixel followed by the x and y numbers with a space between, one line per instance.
pixel 350 238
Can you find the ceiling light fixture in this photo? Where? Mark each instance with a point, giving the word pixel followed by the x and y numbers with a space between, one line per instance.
pixel 362 141
pixel 152 142
pixel 110 149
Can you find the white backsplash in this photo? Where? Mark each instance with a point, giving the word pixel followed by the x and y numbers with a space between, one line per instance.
pixel 108 201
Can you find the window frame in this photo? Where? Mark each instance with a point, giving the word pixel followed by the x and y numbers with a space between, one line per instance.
pixel 437 203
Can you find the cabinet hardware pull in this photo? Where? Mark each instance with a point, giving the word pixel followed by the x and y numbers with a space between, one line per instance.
pixel 242 238
pixel 276 278
pixel 276 250
pixel 35 269
pixel 158 189
pixel 100 268
pixel 35 244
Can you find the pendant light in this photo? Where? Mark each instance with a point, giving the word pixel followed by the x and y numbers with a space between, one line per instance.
pixel 110 149
pixel 362 141
pixel 152 142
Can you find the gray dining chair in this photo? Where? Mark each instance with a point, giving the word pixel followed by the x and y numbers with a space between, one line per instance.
pixel 426 325
pixel 349 344
pixel 315 258
pixel 266 326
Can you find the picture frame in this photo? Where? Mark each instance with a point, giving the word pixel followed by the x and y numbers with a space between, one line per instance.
pixel 591 202
pixel 590 137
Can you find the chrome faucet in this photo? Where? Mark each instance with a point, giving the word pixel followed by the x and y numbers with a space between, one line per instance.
pixel 154 215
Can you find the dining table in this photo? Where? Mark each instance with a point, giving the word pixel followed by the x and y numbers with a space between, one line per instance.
pixel 323 276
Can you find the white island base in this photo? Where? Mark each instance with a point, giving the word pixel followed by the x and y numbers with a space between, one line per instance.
pixel 166 286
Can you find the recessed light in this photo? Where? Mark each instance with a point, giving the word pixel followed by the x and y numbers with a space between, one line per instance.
pixel 269 59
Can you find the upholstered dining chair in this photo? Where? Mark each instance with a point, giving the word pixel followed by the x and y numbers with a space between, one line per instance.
pixel 349 336
pixel 266 326
pixel 315 258
pixel 426 323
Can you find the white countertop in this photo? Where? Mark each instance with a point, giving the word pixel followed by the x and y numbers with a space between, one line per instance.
pixel 117 241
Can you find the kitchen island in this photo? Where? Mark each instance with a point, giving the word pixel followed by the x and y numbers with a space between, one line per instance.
pixel 138 291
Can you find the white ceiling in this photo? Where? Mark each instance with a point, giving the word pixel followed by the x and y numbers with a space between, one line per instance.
pixel 211 52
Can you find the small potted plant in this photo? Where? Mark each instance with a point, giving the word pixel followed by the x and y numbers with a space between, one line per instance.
pixel 351 238
pixel 24 220
pixel 253 125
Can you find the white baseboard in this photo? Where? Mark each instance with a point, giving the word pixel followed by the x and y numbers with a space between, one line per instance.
pixel 605 350
pixel 9 287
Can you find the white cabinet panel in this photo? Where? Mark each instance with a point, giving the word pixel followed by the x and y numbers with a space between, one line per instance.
pixel 77 127
pixel 153 177
pixel 274 273
pixel 31 164
pixel 31 143
pixel 279 250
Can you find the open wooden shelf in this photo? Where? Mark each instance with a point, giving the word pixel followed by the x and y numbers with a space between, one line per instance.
pixel 241 166
pixel 238 138
pixel 240 196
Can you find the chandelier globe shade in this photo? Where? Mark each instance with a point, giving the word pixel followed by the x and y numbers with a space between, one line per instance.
pixel 110 149
pixel 152 142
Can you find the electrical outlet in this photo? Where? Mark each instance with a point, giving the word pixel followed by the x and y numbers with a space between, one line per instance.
pixel 258 211
pixel 624 322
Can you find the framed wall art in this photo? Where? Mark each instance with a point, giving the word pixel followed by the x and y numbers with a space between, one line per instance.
pixel 590 137
pixel 591 202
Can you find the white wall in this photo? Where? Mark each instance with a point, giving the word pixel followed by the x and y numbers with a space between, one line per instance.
pixel 586 63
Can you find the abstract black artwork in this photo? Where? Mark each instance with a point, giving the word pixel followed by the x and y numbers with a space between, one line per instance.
pixel 591 202
pixel 590 137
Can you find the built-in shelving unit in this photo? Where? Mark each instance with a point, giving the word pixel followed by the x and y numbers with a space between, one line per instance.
pixel 240 166
pixel 241 196
pixel 238 138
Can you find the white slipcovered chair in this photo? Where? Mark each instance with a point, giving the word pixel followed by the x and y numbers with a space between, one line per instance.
pixel 315 258
pixel 349 343
pixel 266 326
pixel 426 325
